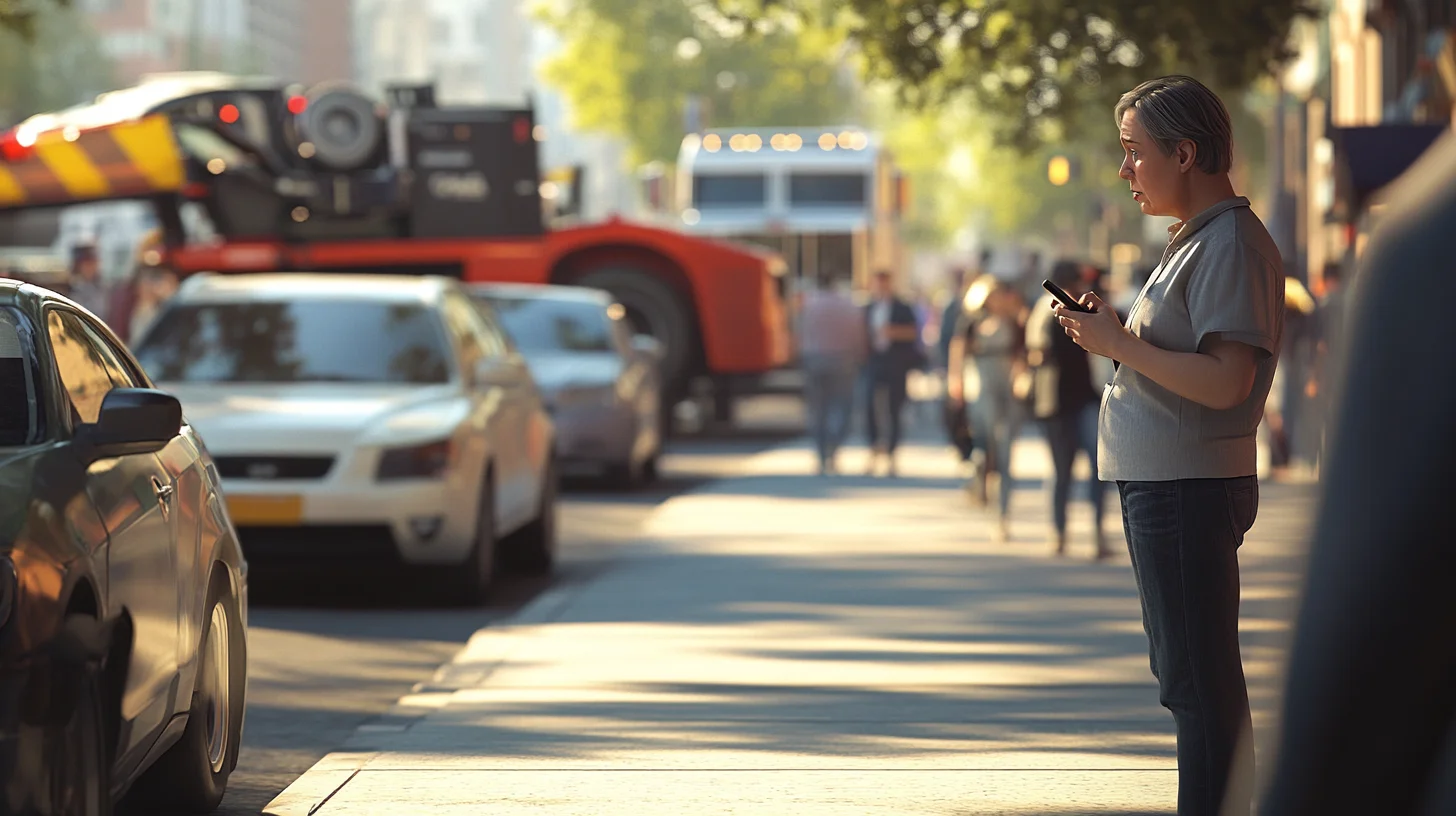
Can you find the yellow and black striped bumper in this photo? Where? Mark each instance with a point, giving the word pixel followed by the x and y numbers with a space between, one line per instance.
pixel 69 166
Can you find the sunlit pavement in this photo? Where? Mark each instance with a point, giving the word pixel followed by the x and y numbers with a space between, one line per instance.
pixel 787 644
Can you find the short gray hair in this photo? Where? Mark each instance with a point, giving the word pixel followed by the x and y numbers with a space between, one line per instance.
pixel 1174 108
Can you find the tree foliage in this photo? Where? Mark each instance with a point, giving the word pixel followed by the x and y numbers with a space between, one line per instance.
pixel 1041 67
pixel 630 67
pixel 50 61
pixel 20 16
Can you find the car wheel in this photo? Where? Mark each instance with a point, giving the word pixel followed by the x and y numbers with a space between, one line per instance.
pixel 192 776
pixel 472 580
pixel 532 549
pixel 76 757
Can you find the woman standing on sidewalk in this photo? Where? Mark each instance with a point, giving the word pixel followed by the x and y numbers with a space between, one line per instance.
pixel 1178 423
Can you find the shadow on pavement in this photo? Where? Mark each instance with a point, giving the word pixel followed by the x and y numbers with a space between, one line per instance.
pixel 911 651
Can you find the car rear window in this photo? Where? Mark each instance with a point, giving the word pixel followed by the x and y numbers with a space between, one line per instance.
pixel 313 340
pixel 20 397
pixel 553 324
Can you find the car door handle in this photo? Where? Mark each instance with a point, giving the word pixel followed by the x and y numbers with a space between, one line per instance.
pixel 164 492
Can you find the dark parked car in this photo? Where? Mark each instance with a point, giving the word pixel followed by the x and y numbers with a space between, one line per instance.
pixel 123 595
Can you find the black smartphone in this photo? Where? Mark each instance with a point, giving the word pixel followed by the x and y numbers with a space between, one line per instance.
pixel 1066 299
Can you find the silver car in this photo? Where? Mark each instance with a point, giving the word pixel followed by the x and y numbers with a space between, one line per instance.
pixel 601 384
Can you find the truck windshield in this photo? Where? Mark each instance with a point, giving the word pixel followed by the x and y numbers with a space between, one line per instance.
pixel 20 399
pixel 348 341
pixel 827 189
pixel 544 324
pixel 735 190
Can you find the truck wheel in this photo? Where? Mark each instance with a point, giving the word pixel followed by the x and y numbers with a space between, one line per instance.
pixel 724 402
pixel 653 308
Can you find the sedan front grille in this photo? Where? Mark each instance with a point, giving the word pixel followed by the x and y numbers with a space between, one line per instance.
pixel 265 468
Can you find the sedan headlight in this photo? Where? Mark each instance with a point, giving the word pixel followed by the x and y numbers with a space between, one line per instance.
pixel 9 589
pixel 429 461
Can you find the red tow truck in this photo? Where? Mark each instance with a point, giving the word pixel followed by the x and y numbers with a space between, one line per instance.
pixel 324 178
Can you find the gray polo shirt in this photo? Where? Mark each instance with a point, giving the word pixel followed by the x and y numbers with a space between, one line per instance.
pixel 1221 276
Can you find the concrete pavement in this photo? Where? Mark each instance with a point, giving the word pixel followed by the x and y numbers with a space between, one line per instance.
pixel 778 643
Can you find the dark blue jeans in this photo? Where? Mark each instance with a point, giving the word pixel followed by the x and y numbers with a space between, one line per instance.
pixel 1184 537
pixel 1066 434
pixel 882 427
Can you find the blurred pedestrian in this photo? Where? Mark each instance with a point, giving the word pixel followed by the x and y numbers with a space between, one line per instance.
pixel 87 287
pixel 1065 400
pixel 1369 706
pixel 987 359
pixel 894 338
pixel 1177 431
pixel 833 345
pixel 1124 299
pixel 1290 443
pixel 953 409
pixel 1329 332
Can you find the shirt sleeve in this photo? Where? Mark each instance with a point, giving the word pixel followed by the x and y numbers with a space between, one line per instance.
pixel 1236 294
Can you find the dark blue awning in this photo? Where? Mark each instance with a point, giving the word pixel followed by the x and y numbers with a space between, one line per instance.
pixel 1368 158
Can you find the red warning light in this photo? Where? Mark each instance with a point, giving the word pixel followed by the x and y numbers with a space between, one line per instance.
pixel 229 114
pixel 522 130
pixel 297 104
pixel 11 150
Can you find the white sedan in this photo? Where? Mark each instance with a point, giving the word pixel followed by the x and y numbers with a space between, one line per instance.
pixel 359 417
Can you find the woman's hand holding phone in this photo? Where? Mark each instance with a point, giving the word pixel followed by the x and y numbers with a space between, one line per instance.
pixel 1093 326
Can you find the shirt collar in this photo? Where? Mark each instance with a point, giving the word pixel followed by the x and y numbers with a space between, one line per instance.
pixel 1183 229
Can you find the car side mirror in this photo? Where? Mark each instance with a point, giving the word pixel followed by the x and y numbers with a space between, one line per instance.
pixel 648 346
pixel 131 421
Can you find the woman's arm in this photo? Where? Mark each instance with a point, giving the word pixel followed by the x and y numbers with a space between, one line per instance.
pixel 1220 375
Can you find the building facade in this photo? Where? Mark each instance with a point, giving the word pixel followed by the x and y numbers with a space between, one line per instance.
pixel 1372 86
pixel 289 39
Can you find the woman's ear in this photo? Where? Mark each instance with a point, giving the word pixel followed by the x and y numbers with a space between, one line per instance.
pixel 1187 153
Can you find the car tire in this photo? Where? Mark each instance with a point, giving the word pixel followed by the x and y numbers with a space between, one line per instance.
pixel 76 758
pixel 532 549
pixel 471 581
pixel 192 776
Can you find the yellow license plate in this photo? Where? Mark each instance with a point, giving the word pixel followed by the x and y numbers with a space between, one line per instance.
pixel 279 510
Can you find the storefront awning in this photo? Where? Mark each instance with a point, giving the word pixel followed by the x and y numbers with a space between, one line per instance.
pixel 1369 158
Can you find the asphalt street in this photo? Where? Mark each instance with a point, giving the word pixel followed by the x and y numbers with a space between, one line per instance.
pixel 330 652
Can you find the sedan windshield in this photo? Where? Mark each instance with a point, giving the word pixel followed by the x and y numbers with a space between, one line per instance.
pixel 20 403
pixel 551 324
pixel 354 341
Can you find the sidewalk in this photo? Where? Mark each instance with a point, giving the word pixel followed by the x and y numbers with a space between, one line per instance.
pixel 783 644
